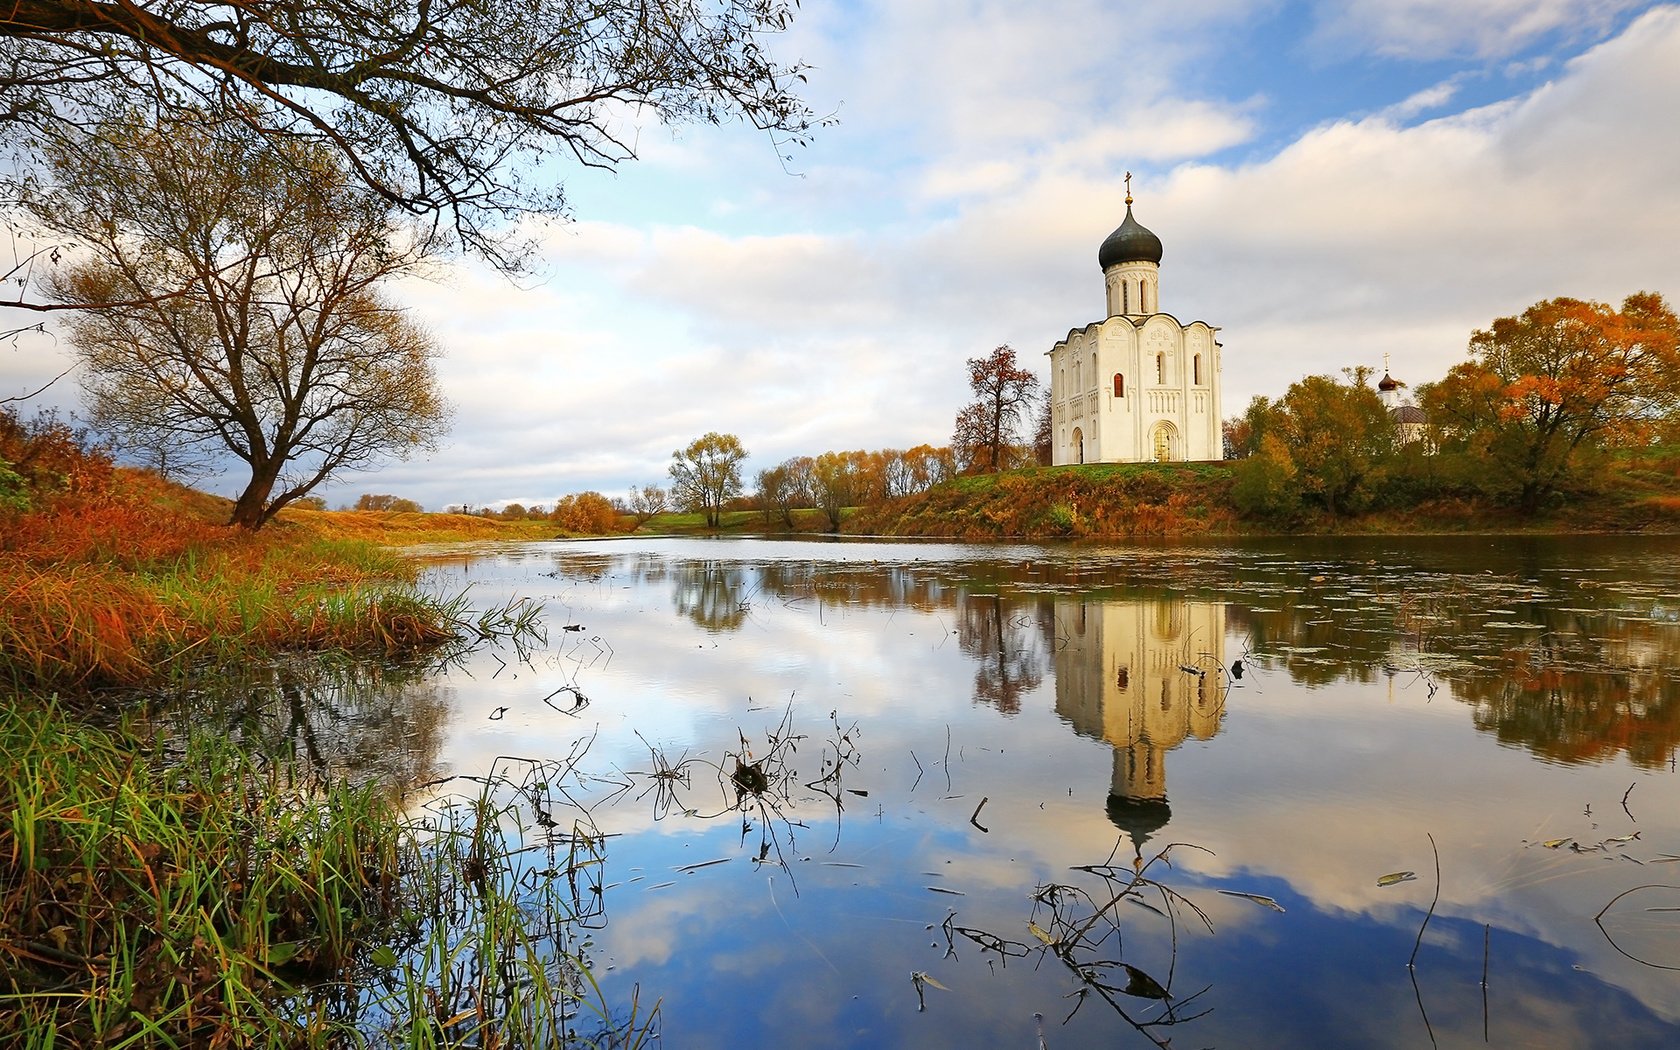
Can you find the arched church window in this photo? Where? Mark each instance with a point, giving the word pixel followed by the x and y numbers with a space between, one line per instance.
pixel 1125 300
pixel 1119 385
pixel 1196 369
pixel 1160 368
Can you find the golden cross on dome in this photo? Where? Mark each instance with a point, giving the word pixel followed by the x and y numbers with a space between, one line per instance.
pixel 1128 187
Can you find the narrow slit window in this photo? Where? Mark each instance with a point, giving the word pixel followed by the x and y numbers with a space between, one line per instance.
pixel 1160 368
pixel 1119 385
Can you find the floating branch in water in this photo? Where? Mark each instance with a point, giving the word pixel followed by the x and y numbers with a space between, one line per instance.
pixel 579 701
pixel 1411 963
pixel 1598 920
pixel 1081 927
pixel 1258 898
pixel 920 978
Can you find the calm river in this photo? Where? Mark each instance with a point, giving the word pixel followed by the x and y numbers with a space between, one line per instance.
pixel 873 794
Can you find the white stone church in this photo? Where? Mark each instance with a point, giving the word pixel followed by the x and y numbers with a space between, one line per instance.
pixel 1140 386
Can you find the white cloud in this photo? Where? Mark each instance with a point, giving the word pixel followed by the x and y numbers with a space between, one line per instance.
pixel 1433 97
pixel 1431 29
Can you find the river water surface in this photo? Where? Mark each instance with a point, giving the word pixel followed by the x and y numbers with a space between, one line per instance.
pixel 872 794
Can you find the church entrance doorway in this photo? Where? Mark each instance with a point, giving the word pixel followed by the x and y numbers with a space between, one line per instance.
pixel 1164 443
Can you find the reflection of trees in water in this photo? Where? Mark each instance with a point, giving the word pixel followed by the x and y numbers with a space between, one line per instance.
pixel 1577 682
pixel 1573 684
pixel 1010 641
pixel 715 595
pixel 1572 715
pixel 343 719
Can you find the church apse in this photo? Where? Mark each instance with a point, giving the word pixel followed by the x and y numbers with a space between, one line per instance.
pixel 1144 676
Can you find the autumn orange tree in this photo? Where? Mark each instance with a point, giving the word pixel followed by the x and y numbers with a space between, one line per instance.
pixel 1565 376
pixel 987 435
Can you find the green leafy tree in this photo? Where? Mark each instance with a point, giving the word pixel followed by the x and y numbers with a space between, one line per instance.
pixel 1264 483
pixel 1329 442
pixel 707 474
pixel 1565 377
pixel 1340 438
pixel 1242 434
pixel 258 326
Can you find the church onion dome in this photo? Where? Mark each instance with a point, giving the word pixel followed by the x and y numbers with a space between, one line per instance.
pixel 1139 818
pixel 1388 383
pixel 1130 243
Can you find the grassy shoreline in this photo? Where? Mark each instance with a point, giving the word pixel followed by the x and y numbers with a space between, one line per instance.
pixel 159 892
pixel 141 583
pixel 169 886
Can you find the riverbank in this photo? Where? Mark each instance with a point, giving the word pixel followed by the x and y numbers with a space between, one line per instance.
pixel 181 881
pixel 139 581
pixel 1187 500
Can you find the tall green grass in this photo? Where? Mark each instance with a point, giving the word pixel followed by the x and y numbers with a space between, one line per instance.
pixel 217 900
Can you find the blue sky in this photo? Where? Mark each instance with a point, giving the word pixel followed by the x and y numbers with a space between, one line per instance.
pixel 1332 181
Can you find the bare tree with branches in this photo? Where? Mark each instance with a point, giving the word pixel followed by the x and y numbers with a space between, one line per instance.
pixel 441 107
pixel 254 323
pixel 987 430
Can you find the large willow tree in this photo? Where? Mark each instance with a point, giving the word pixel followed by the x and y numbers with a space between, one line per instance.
pixel 249 317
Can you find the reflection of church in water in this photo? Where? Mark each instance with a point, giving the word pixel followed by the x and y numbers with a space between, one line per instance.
pixel 1144 676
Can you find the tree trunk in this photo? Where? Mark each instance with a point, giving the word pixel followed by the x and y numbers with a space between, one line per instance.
pixel 248 510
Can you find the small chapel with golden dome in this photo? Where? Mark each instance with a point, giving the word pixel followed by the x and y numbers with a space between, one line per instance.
pixel 1139 386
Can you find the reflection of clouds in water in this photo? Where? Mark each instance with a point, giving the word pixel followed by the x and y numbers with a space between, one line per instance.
pixel 1322 777
pixel 1378 782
